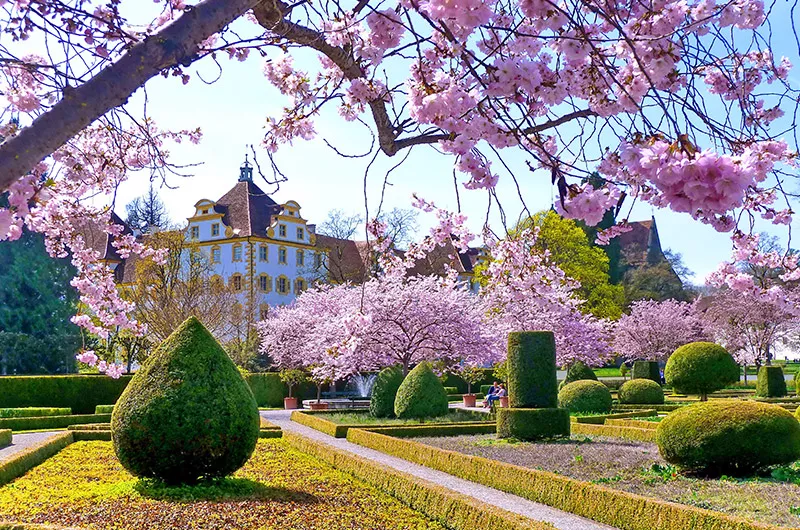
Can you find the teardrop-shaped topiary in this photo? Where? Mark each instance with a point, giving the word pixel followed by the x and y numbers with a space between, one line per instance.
pixel 381 404
pixel 187 414
pixel 421 395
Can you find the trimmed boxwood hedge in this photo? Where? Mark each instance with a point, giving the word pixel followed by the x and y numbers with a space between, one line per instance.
pixel 641 392
pixel 615 431
pixel 620 509
pixel 450 390
pixel 585 396
pixel 701 368
pixel 104 409
pixel 531 362
pixel 5 437
pixel 20 463
pixel 81 393
pixel 34 412
pixel 51 422
pixel 421 395
pixel 532 424
pixel 455 510
pixel 770 383
pixel 381 403
pixel 729 437
pixel 646 370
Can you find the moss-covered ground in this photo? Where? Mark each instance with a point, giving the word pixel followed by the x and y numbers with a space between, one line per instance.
pixel 85 485
pixel 637 467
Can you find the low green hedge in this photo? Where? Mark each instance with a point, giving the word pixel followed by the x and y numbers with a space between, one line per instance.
pixel 270 433
pixel 660 408
pixel 90 436
pixel 317 421
pixel 104 409
pixel 454 510
pixel 320 424
pixel 623 510
pixel 639 424
pixel 51 422
pixel 628 433
pixel 453 429
pixel 21 462
pixel 451 390
pixel 90 427
pixel 600 419
pixel 34 412
pixel 5 437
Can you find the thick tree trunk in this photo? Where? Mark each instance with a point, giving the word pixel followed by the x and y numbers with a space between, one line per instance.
pixel 177 43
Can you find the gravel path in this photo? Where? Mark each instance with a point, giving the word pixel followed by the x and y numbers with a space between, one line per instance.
pixel 512 503
pixel 20 442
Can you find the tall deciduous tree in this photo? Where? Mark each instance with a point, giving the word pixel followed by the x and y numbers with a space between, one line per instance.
pixel 655 329
pixel 570 249
pixel 147 213
pixel 36 303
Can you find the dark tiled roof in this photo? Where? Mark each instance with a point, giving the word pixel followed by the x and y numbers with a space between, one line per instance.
pixel 247 208
pixel 97 239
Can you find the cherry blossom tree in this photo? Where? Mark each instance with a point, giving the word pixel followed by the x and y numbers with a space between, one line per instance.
pixel 470 78
pixel 653 330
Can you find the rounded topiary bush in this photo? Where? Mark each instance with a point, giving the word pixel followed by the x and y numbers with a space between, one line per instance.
pixel 585 396
pixel 771 382
pixel 381 404
pixel 641 392
pixel 187 414
pixel 578 371
pixel 421 395
pixel 729 437
pixel 700 368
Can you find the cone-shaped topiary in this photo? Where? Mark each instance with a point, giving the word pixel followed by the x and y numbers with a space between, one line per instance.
pixel 187 414
pixel 421 395
pixel 701 368
pixel 641 392
pixel 585 396
pixel 729 437
pixel 381 404
pixel 771 382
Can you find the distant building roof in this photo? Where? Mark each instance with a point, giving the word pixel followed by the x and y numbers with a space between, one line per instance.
pixel 248 209
pixel 99 240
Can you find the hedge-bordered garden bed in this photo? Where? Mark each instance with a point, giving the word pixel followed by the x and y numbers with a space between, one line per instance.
pixel 317 420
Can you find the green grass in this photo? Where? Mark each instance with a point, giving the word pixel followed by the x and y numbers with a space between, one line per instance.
pixel 85 485
pixel 363 418
pixel 607 372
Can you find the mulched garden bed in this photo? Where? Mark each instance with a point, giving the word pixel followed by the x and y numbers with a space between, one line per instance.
pixel 637 467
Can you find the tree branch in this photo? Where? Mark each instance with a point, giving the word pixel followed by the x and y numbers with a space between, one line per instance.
pixel 177 43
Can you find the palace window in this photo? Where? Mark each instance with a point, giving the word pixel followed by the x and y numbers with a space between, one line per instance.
pixel 216 255
pixel 300 234
pixel 301 258
pixel 236 282
pixel 282 256
pixel 282 230
pixel 282 285
pixel 237 253
pixel 215 230
pixel 205 212
pixel 263 253
pixel 195 232
pixel 264 283
pixel 317 261
pixel 299 285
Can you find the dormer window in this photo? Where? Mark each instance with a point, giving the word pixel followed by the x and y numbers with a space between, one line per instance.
pixel 205 211
pixel 282 230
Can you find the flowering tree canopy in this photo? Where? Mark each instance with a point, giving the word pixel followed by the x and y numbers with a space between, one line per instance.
pixel 653 330
pixel 470 78
pixel 384 322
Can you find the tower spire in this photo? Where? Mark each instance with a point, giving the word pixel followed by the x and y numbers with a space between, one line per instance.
pixel 246 171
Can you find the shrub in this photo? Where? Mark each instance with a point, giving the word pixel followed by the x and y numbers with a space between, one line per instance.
pixel 81 393
pixel 532 424
pixel 34 412
pixel 421 395
pixel 585 396
pixel 701 368
pixel 5 437
pixel 641 392
pixel 771 382
pixel 267 388
pixel 646 370
pixel 381 404
pixel 450 390
pixel 578 371
pixel 730 437
pixel 531 365
pixel 51 422
pixel 187 414
pixel 104 409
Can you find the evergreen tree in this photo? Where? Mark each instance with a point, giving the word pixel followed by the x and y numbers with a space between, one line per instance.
pixel 36 303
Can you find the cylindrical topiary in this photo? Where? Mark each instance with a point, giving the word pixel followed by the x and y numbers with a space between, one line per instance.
pixel 532 424
pixel 421 395
pixel 641 392
pixel 187 414
pixel 701 368
pixel 381 404
pixel 729 437
pixel 585 396
pixel 646 370
pixel 531 366
pixel 771 382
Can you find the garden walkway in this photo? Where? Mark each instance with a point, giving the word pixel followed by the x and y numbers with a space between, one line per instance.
pixel 20 442
pixel 506 501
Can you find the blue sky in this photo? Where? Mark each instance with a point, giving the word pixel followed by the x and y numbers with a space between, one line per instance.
pixel 232 111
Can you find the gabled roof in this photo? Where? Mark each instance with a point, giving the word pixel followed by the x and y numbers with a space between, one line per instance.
pixel 248 209
pixel 96 238
pixel 347 259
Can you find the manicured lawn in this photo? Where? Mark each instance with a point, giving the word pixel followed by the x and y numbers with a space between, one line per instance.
pixel 363 418
pixel 84 485
pixel 607 372
pixel 637 467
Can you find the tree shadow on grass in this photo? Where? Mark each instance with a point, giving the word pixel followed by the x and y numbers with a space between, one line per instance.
pixel 222 489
